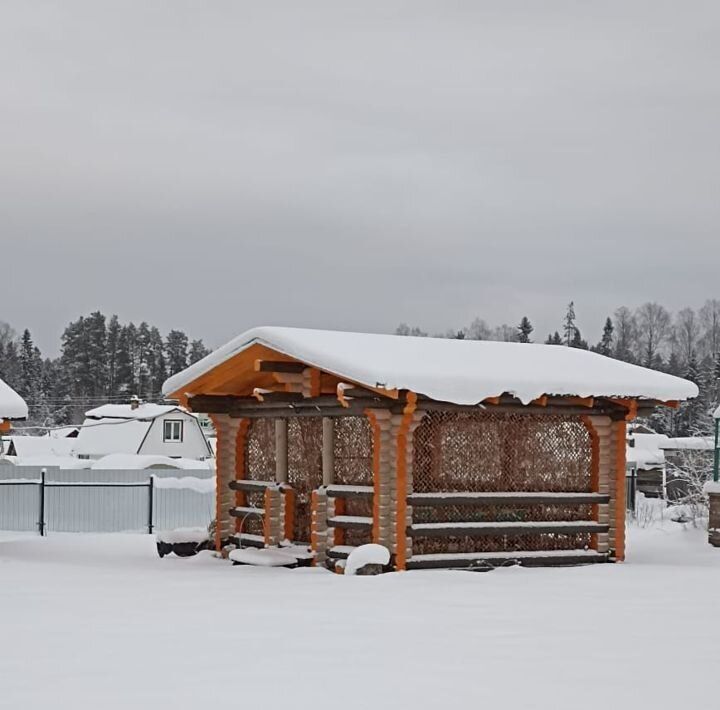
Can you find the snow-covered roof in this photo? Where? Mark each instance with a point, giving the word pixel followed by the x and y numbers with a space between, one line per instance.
pixel 99 437
pixel 689 443
pixel 137 462
pixel 717 413
pixel 47 460
pixel 12 405
pixel 460 371
pixel 125 411
pixel 41 446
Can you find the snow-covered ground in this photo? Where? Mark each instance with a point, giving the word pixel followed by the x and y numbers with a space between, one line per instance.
pixel 99 621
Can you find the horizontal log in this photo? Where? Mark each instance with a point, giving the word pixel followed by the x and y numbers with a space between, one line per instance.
pixel 489 560
pixel 350 522
pixel 340 491
pixel 292 404
pixel 280 366
pixel 241 511
pixel 473 529
pixel 340 552
pixel 271 397
pixel 251 486
pixel 508 498
pixel 248 540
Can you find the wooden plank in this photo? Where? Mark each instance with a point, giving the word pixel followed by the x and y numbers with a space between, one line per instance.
pixel 340 552
pixel 559 558
pixel 473 529
pixel 358 492
pixel 280 366
pixel 248 540
pixel 250 486
pixel 350 522
pixel 504 498
pixel 242 511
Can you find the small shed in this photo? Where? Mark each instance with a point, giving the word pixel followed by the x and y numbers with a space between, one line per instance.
pixel 450 453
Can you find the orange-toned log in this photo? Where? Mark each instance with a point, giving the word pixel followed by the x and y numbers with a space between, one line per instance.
pixel 402 477
pixel 620 503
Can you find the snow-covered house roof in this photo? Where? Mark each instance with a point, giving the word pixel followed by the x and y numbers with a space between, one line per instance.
pixel 99 437
pixel 459 371
pixel 646 450
pixel 689 443
pixel 12 405
pixel 127 411
pixel 127 429
pixel 26 446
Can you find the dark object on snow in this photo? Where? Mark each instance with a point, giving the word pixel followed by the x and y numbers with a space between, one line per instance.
pixel 182 549
pixel 369 570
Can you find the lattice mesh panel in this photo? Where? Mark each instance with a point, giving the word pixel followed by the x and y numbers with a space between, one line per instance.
pixel 259 466
pixel 304 468
pixel 353 447
pixel 501 452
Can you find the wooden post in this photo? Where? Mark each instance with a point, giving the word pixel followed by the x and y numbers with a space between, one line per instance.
pixel 401 468
pixel 328 451
pixel 281 450
pixel 620 504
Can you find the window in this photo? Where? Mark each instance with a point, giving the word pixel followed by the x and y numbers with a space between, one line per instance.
pixel 173 430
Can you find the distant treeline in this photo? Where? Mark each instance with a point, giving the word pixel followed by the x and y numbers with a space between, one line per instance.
pixel 104 360
pixel 686 344
pixel 100 360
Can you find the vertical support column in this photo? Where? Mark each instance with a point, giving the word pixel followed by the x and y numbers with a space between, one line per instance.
pixel 714 517
pixel 620 432
pixel 600 430
pixel 384 481
pixel 281 450
pixel 240 452
pixel 328 451
pixel 225 467
pixel 271 522
pixel 318 525
pixel 403 544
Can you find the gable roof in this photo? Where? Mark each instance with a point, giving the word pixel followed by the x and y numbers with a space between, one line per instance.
pixel 110 436
pixel 12 405
pixel 459 371
pixel 125 411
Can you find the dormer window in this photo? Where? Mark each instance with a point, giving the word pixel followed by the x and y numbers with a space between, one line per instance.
pixel 173 430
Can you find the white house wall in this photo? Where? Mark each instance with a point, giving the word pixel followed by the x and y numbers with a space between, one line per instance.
pixel 193 445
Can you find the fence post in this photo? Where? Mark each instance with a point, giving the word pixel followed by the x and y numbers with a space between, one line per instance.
pixel 151 490
pixel 41 522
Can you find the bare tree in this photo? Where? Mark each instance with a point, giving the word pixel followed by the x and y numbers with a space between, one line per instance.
pixel 479 330
pixel 687 333
pixel 687 476
pixel 625 334
pixel 653 322
pixel 710 320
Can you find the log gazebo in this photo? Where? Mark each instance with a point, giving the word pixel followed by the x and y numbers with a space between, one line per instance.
pixel 450 453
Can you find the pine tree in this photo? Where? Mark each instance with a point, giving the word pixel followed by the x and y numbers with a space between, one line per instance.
pixel 569 329
pixel 577 341
pixel 605 346
pixel 113 355
pixel 197 351
pixel 554 339
pixel 176 351
pixel 525 329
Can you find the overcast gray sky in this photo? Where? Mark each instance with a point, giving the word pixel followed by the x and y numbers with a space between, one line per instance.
pixel 216 165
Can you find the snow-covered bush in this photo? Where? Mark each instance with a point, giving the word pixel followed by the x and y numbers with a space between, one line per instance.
pixel 690 471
